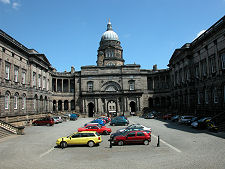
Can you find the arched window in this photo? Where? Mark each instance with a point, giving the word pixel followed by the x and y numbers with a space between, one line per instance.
pixel 23 102
pixel 16 96
pixel 90 86
pixel 7 100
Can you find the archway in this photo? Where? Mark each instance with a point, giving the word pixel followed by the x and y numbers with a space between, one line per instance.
pixel 132 106
pixel 66 105
pixel 150 102
pixel 54 105
pixel 60 105
pixel 91 109
pixel 111 107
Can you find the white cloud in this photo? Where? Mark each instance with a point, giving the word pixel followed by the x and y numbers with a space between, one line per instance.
pixel 201 32
pixel 5 1
pixel 15 5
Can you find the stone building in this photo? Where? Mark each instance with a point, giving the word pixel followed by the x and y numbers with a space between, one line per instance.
pixel 194 82
pixel 197 71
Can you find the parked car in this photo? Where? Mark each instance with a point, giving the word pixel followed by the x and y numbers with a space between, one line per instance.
pixel 185 119
pixel 89 138
pixel 107 119
pixel 149 116
pixel 119 122
pixel 167 116
pixel 175 118
pixel 131 138
pixel 99 121
pixel 73 116
pixel 117 133
pixel 201 123
pixel 99 129
pixel 133 113
pixel 57 119
pixel 44 121
pixel 135 126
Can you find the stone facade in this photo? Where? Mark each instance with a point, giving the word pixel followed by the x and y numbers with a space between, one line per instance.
pixel 194 82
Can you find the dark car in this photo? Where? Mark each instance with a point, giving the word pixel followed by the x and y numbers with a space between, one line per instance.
pixel 201 123
pixel 132 137
pixel 167 116
pixel 119 122
pixel 73 116
pixel 149 116
pixel 185 119
pixel 175 118
pixel 44 121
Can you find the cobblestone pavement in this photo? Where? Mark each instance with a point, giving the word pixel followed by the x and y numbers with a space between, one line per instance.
pixel 180 147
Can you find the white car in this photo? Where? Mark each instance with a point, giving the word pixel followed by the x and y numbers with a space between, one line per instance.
pixel 135 126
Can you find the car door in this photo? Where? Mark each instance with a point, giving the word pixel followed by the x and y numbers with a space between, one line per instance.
pixel 140 137
pixel 75 139
pixel 131 138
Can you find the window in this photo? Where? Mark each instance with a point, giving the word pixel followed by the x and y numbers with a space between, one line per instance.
pixel 44 82
pixel 7 70
pixel 34 79
pixel 7 100
pixel 39 81
pixel 198 93
pixel 215 96
pixel 131 85
pixel 48 84
pixel 197 71
pixel 223 60
pixel 16 72
pixel 140 134
pixel 90 86
pixel 23 77
pixel 23 102
pixel 206 97
pixel 131 134
pixel 213 64
pixel 16 101
pixel 204 69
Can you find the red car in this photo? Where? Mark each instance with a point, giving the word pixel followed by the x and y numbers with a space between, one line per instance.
pixel 167 116
pixel 132 137
pixel 44 121
pixel 98 129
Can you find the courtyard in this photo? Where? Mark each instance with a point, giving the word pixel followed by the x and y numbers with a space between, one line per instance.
pixel 180 147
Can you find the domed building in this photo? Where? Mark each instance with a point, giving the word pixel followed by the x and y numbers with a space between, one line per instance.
pixel 194 82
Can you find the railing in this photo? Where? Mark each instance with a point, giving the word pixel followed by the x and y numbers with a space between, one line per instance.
pixel 11 128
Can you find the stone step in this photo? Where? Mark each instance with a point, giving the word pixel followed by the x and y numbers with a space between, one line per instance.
pixel 4 133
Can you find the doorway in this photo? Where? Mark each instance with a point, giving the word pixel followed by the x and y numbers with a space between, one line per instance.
pixel 91 107
pixel 132 106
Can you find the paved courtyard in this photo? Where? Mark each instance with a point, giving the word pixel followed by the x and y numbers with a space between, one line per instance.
pixel 180 147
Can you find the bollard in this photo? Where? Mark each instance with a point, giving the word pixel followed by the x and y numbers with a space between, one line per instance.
pixel 110 143
pixel 158 144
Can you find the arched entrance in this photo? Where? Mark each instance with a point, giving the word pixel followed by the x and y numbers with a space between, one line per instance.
pixel 132 106
pixel 54 105
pixel 111 107
pixel 91 107
pixel 60 105
pixel 150 102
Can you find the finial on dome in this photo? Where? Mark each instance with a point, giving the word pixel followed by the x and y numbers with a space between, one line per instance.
pixel 109 25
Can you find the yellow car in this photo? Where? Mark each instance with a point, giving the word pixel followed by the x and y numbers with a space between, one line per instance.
pixel 90 138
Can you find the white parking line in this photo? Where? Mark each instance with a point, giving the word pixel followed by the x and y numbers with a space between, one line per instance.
pixel 174 148
pixel 42 155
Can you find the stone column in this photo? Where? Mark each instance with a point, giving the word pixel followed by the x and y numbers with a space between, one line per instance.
pixel 69 105
pixel 62 85
pixel 56 87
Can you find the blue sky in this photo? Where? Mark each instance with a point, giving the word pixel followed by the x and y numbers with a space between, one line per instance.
pixel 68 32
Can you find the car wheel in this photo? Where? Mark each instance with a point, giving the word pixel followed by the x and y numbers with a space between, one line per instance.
pixel 105 132
pixel 63 144
pixel 48 124
pixel 120 143
pixel 146 142
pixel 113 124
pixel 126 124
pixel 91 143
